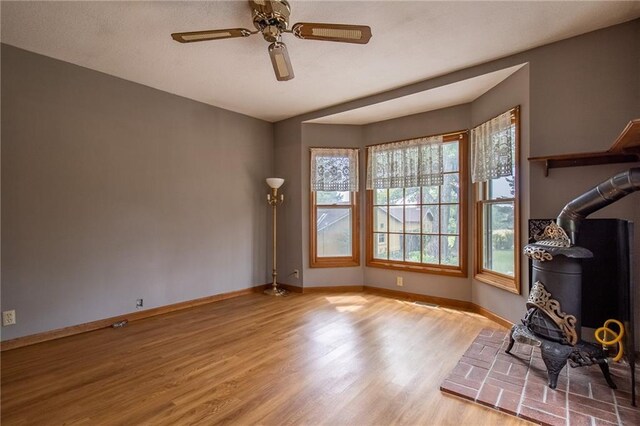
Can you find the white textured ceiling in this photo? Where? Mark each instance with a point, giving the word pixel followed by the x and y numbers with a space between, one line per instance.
pixel 412 41
pixel 460 92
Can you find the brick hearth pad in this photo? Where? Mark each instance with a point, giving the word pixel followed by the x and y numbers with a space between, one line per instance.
pixel 517 384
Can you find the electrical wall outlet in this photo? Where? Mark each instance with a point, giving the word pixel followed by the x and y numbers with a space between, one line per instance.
pixel 139 303
pixel 296 273
pixel 9 317
pixel 399 281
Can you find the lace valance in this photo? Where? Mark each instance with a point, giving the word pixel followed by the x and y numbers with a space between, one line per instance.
pixel 492 149
pixel 415 162
pixel 334 169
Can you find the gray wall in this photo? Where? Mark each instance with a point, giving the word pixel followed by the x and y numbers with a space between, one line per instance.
pixel 288 162
pixel 114 191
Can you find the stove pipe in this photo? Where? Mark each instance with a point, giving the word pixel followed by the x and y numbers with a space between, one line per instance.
pixel 608 192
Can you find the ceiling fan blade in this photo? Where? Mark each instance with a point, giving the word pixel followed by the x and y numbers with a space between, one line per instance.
pixel 194 36
pixel 280 61
pixel 359 34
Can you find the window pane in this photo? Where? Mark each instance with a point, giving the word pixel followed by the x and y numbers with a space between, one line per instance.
pixel 396 195
pixel 380 246
pixel 412 195
pixel 430 219
pixel 449 250
pixel 396 246
pixel 396 219
pixel 412 248
pixel 430 249
pixel 380 197
pixel 451 188
pixel 450 156
pixel 334 232
pixel 498 238
pixel 450 219
pixel 412 219
pixel 380 219
pixel 333 197
pixel 430 194
pixel 503 187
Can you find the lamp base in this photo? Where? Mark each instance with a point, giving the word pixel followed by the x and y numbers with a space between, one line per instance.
pixel 276 291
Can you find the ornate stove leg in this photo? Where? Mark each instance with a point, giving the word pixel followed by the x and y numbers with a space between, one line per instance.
pixel 555 356
pixel 511 340
pixel 604 366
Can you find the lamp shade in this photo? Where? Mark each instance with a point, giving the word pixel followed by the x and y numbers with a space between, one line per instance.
pixel 275 182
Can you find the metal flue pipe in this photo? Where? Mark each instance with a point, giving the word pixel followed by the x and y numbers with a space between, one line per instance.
pixel 608 192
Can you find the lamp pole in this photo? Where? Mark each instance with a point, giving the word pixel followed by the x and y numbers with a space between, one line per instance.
pixel 274 199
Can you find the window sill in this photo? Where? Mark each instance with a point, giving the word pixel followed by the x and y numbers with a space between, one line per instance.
pixel 334 262
pixel 452 271
pixel 498 280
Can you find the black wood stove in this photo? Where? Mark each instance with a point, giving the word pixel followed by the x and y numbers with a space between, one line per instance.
pixel 554 308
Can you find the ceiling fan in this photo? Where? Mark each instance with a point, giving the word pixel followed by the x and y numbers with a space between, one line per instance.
pixel 271 18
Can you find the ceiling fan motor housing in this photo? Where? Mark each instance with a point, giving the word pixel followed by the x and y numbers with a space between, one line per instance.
pixel 271 18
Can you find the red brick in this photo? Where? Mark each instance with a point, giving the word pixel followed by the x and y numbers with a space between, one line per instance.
pixel 608 416
pixel 538 416
pixel 602 393
pixel 504 385
pixel 600 422
pixel 509 379
pixel 456 389
pixel 477 373
pixel 501 366
pixel 489 395
pixel 629 416
pixel 600 405
pixel 579 419
pixel 461 369
pixel 473 384
pixel 579 388
pixel 509 402
pixel 556 410
pixel 534 390
pixel 475 362
pixel 519 371
pixel 556 397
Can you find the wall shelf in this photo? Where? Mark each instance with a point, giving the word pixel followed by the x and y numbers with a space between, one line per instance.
pixel 625 149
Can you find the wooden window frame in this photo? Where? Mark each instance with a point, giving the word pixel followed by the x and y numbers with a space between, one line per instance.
pixel 487 276
pixel 448 270
pixel 316 261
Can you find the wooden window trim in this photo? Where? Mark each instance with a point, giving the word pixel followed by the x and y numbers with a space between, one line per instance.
pixel 505 282
pixel 455 271
pixel 316 261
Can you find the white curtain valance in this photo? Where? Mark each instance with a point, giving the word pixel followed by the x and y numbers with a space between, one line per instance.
pixel 406 164
pixel 492 149
pixel 334 169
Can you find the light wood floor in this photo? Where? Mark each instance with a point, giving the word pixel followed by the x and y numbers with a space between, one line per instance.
pixel 351 358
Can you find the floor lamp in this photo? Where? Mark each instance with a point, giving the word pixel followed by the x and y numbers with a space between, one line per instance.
pixel 274 200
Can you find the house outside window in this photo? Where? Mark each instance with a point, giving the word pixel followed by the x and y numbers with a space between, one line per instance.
pixel 422 228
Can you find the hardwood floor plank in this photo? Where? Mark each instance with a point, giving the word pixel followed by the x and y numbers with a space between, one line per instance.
pixel 316 358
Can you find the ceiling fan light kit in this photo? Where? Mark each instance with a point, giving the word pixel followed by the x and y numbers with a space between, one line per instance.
pixel 280 61
pixel 271 19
